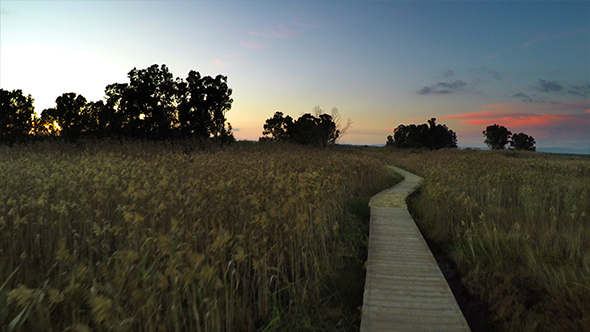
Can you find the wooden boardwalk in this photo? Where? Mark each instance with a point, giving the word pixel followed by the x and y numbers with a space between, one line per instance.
pixel 404 289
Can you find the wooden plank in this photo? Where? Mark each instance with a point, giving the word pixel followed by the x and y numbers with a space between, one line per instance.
pixel 404 288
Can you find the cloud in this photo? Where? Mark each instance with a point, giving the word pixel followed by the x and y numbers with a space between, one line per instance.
pixel 443 88
pixel 219 62
pixel 492 56
pixel 580 90
pixel 307 25
pixel 449 74
pixel 279 31
pixel 542 125
pixel 251 45
pixel 516 119
pixel 552 124
pixel 548 86
pixel 232 55
pixel 552 36
pixel 552 107
pixel 524 97
pixel 486 72
pixel 533 98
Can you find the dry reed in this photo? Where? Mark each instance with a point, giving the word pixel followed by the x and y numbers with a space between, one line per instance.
pixel 517 225
pixel 166 237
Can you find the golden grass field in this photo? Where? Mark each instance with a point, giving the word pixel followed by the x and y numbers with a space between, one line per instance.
pixel 170 237
pixel 517 226
pixel 165 237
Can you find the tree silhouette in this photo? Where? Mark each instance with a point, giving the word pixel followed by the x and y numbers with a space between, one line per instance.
pixel 204 102
pixel 496 136
pixel 149 102
pixel 410 136
pixel 336 119
pixel 17 116
pixel 113 116
pixel 310 130
pixel 97 119
pixel 432 136
pixel 522 141
pixel 390 143
pixel 439 136
pixel 152 105
pixel 69 115
pixel 276 128
pixel 320 131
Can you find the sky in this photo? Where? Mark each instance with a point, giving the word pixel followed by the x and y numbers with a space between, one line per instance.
pixel 524 65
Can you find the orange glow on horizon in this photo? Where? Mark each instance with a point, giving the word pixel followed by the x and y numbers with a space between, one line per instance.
pixel 550 122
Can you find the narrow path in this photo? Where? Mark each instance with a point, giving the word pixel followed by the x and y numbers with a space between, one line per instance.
pixel 404 288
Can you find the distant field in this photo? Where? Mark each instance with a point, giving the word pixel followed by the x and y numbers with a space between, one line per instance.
pixel 517 225
pixel 166 237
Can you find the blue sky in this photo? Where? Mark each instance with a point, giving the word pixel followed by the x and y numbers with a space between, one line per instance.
pixel 524 65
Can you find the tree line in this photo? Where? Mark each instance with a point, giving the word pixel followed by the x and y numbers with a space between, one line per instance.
pixel 497 137
pixel 430 136
pixel 318 129
pixel 153 105
pixel 434 136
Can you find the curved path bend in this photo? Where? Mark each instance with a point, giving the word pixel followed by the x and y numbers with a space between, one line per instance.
pixel 404 288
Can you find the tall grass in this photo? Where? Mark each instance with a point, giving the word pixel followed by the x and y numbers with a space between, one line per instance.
pixel 517 225
pixel 164 237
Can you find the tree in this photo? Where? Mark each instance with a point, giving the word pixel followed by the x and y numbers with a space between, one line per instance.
pixel 390 143
pixel 411 136
pixel 310 130
pixel 96 118
pixel 439 136
pixel 17 116
pixel 432 136
pixel 114 117
pixel 336 119
pixel 523 141
pixel 205 100
pixel 496 137
pixel 152 105
pixel 151 101
pixel 275 128
pixel 321 130
pixel 68 114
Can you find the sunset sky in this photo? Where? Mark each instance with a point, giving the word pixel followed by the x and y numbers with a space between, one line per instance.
pixel 524 65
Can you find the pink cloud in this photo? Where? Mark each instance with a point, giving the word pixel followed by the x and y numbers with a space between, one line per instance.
pixel 546 123
pixel 515 120
pixel 567 107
